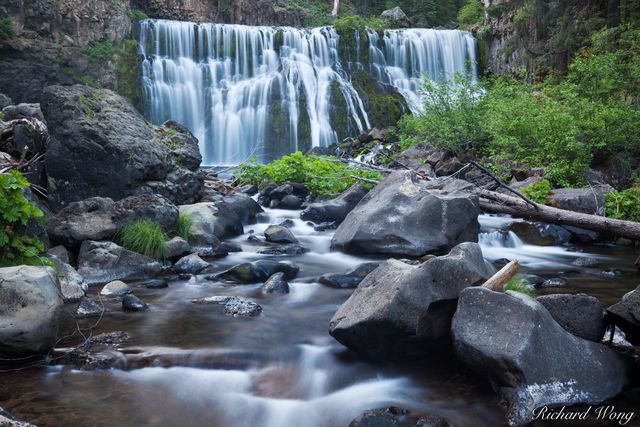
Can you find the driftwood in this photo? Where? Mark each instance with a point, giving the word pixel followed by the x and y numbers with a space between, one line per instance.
pixel 498 280
pixel 491 201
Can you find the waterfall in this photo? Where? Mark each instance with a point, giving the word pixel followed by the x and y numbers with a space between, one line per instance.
pixel 267 91
pixel 403 57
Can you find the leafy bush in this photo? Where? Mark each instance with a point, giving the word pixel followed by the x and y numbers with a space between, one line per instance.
pixel 100 52
pixel 7 30
pixel 538 191
pixel 137 15
pixel 145 237
pixel 351 23
pixel 322 175
pixel 471 13
pixel 15 213
pixel 183 227
pixel 452 117
pixel 624 204
pixel 518 284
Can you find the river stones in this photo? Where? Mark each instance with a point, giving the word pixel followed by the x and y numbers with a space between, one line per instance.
pixel 514 341
pixel 72 284
pixel 177 247
pixel 350 279
pixel 233 306
pixel 276 284
pixel 89 307
pixel 212 221
pixel 400 309
pixel 626 315
pixel 116 288
pixel 580 314
pixel 406 217
pixel 289 249
pixel 191 264
pixel 30 306
pixel 334 210
pixel 131 302
pixel 279 234
pixel 257 271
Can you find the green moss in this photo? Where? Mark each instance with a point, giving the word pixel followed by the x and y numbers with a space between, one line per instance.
pixel 7 30
pixel 88 105
pixel 137 15
pixel 128 72
pixel 518 284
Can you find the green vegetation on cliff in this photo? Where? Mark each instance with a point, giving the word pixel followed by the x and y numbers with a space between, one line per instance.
pixel 7 29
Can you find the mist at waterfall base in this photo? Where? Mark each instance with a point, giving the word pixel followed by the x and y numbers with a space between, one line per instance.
pixel 268 91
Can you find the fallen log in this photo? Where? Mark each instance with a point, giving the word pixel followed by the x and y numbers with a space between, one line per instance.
pixel 493 202
pixel 498 280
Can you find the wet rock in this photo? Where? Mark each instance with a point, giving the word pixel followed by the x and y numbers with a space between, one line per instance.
pixel 102 262
pixel 334 210
pixel 276 284
pixel 432 421
pixel 279 234
pixel 555 282
pixel 230 247
pixel 539 233
pixel 580 314
pixel 116 288
pixel 587 262
pixel 533 280
pixel 248 189
pixel 257 271
pixel 290 249
pixel 287 223
pixel 101 146
pixel 177 247
pixel 400 310
pixel 233 306
pixel 22 111
pixel 611 272
pixel 626 315
pixel 131 302
pixel 501 262
pixel 191 264
pixel 6 420
pixel 98 352
pixel 30 308
pixel 290 202
pixel 89 307
pixel 72 284
pixel 212 221
pixel 580 235
pixel 156 284
pixel 531 366
pixel 244 206
pixel 324 226
pixel 350 279
pixel 406 217
pixel 586 200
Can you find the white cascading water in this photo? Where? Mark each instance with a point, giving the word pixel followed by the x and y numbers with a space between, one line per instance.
pixel 403 57
pixel 267 91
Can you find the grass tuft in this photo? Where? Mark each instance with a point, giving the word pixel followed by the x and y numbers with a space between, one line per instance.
pixel 183 227
pixel 518 284
pixel 145 237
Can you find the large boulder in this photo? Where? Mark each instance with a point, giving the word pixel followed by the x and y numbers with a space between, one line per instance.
pixel 72 284
pixel 30 305
pixel 626 315
pixel 396 16
pixel 532 361
pixel 99 218
pixel 580 314
pixel 212 221
pixel 334 210
pixel 399 309
pixel 587 200
pixel 103 262
pixel 244 206
pixel 101 146
pixel 407 217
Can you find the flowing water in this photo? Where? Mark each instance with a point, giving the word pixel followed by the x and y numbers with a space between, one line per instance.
pixel 267 91
pixel 189 365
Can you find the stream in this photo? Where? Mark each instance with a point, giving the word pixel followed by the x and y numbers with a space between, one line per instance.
pixel 192 366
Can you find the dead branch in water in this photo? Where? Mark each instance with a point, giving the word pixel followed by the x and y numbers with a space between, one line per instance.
pixel 498 280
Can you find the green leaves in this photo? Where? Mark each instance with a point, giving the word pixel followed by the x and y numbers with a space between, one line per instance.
pixel 16 211
pixel 624 204
pixel 538 191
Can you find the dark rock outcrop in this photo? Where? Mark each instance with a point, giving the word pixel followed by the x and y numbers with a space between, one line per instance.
pixel 407 217
pixel 399 309
pixel 626 315
pixel 587 200
pixel 532 361
pixel 30 305
pixel 580 314
pixel 334 210
pixel 257 271
pixel 101 146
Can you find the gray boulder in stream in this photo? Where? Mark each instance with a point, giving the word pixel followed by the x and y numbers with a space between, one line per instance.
pixel 212 221
pixel 529 358
pixel 101 146
pixel 399 310
pixel 30 305
pixel 406 217
pixel 626 315
pixel 334 210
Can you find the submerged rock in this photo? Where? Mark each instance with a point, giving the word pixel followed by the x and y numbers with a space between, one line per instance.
pixel 6 420
pixel 233 306
pixel 98 352
pixel 580 314
pixel 532 361
pixel 131 302
pixel 191 264
pixel 334 210
pixel 402 216
pixel 399 309
pixel 350 279
pixel 89 308
pixel 30 306
pixel 257 271
pixel 626 315
pixel 276 284
pixel 290 249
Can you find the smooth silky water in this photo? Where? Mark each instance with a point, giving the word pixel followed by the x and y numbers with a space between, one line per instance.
pixel 189 365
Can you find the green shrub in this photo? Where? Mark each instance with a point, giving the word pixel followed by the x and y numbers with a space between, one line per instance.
pixel 322 175
pixel 350 23
pixel 538 191
pixel 624 204
pixel 471 13
pixel 145 237
pixel 136 15
pixel 100 52
pixel 183 227
pixel 7 30
pixel 15 213
pixel 518 284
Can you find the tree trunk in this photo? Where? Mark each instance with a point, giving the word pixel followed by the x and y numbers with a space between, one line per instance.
pixel 336 8
pixel 498 280
pixel 491 201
